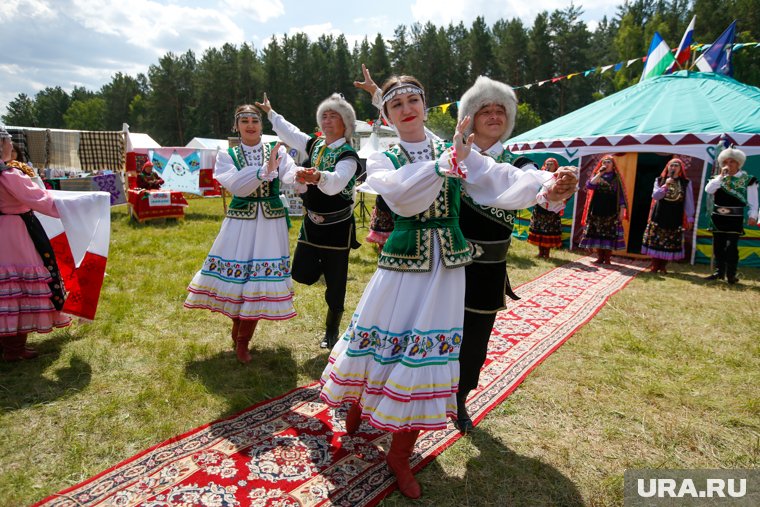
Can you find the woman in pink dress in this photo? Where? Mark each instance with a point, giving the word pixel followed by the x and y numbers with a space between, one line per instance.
pixel 31 289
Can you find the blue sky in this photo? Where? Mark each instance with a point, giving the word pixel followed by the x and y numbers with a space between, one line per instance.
pixel 72 43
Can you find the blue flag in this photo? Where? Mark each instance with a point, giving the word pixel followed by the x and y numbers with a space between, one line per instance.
pixel 717 58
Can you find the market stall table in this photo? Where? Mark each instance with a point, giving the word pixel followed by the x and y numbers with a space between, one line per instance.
pixel 153 204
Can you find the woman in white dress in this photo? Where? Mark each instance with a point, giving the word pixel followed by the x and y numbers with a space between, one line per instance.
pixel 398 361
pixel 246 275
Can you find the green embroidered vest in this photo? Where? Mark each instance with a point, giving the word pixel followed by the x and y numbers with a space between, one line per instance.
pixel 737 186
pixel 267 194
pixel 502 217
pixel 410 245
pixel 324 158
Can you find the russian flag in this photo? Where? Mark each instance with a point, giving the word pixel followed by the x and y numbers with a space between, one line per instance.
pixel 80 240
pixel 683 53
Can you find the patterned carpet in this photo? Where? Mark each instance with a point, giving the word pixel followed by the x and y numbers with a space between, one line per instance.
pixel 293 450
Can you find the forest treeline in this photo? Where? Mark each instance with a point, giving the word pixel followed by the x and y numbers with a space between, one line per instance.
pixel 184 96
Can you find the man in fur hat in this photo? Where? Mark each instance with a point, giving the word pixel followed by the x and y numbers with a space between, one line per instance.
pixel 492 107
pixel 327 186
pixel 733 191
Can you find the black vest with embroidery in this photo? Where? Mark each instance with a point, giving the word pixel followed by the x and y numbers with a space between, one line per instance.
pixel 730 204
pixel 324 159
pixel 486 223
pixel 317 228
pixel 668 211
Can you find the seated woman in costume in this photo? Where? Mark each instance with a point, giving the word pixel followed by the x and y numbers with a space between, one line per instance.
pixel 147 178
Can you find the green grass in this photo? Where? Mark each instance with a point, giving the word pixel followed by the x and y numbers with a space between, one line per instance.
pixel 664 376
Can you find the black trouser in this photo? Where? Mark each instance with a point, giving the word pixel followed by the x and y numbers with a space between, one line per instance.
pixel 472 353
pixel 726 252
pixel 310 262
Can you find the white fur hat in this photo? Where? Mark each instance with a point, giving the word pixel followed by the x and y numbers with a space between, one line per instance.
pixel 487 91
pixel 337 103
pixel 733 153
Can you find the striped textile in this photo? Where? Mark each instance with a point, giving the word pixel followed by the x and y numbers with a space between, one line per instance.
pixel 102 150
pixel 19 138
pixel 38 145
pixel 64 151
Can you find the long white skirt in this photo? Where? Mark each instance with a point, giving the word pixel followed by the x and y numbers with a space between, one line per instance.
pixel 246 274
pixel 399 357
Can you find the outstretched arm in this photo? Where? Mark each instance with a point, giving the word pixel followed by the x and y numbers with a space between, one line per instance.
pixel 286 131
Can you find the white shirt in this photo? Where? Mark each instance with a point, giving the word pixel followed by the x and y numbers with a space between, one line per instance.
pixel 330 183
pixel 412 188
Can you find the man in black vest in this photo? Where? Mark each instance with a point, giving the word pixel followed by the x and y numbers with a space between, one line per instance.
pixel 733 191
pixel 326 185
pixel 493 108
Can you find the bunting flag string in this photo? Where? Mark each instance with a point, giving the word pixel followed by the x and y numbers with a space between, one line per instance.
pixel 615 67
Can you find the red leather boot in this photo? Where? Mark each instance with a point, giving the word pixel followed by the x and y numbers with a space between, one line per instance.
pixel 353 418
pixel 398 456
pixel 245 333
pixel 15 349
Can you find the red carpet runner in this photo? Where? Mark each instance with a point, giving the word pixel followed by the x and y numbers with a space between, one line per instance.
pixel 292 451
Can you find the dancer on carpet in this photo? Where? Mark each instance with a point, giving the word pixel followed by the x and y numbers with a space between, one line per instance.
pixel 604 211
pixel 732 191
pixel 246 275
pixel 493 106
pixel 546 226
pixel 328 230
pixel 31 289
pixel 670 216
pixel 397 362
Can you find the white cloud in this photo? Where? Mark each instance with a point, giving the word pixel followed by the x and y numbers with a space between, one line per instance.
pixel 158 27
pixel 260 10
pixel 315 31
pixel 39 9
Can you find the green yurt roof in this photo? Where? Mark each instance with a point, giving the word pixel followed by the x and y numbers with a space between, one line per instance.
pixel 680 103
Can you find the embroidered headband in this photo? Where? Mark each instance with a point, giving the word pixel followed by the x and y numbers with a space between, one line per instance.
pixel 247 114
pixel 401 89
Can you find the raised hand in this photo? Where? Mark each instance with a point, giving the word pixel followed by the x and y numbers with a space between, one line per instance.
pixel 264 106
pixel 368 85
pixel 275 158
pixel 462 145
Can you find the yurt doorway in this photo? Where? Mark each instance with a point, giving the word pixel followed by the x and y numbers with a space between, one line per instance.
pixel 648 168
